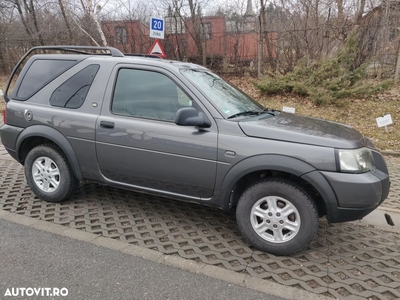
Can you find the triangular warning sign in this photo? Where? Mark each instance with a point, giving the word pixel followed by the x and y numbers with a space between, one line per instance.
pixel 157 49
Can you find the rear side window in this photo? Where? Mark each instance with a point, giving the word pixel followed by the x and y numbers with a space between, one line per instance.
pixel 40 73
pixel 72 93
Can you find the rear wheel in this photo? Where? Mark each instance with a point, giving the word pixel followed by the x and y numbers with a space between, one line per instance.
pixel 277 216
pixel 48 173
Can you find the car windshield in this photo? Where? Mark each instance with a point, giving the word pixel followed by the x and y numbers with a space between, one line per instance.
pixel 228 99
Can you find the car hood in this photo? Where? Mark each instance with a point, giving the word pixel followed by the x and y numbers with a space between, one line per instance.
pixel 304 130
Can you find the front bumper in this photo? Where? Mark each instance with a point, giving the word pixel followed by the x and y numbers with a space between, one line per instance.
pixel 357 194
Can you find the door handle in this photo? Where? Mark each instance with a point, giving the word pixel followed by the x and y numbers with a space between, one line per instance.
pixel 106 124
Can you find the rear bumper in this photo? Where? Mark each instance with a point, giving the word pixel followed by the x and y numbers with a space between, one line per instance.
pixel 9 135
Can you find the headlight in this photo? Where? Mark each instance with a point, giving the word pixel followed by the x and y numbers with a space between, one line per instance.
pixel 356 161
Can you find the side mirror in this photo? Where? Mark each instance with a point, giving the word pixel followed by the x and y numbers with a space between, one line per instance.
pixel 189 116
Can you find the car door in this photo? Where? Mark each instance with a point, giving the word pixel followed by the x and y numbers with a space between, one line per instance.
pixel 139 145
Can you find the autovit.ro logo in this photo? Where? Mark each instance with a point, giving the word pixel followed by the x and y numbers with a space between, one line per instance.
pixel 41 291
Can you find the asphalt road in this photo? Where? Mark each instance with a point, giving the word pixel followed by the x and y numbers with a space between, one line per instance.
pixel 30 258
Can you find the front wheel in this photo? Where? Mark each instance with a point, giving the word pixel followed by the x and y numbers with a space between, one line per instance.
pixel 277 216
pixel 48 173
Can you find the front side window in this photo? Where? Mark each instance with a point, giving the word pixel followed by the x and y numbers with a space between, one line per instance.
pixel 147 94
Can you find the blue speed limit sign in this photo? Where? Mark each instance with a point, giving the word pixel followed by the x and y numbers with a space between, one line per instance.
pixel 157 24
pixel 157 28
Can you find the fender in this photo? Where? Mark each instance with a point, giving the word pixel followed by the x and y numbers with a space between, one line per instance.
pixel 57 138
pixel 271 162
pixel 317 180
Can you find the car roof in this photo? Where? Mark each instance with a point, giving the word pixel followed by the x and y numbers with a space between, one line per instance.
pixel 80 53
pixel 143 59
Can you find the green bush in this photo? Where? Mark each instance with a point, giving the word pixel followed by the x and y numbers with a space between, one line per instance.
pixel 270 87
pixel 326 81
pixel 301 89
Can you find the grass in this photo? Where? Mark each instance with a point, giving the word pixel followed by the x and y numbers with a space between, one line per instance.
pixel 360 113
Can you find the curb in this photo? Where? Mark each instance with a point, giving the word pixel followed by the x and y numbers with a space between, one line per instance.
pixel 228 276
pixel 377 219
pixel 390 153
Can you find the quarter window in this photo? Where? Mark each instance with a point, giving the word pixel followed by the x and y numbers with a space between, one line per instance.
pixel 147 94
pixel 72 93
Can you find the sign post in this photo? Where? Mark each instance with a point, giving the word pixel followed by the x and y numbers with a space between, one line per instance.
pixel 157 28
pixel 157 49
pixel 288 109
pixel 384 121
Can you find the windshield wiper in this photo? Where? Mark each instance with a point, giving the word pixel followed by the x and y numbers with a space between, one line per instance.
pixel 246 113
pixel 271 111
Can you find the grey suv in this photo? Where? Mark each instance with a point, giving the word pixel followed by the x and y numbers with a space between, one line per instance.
pixel 176 129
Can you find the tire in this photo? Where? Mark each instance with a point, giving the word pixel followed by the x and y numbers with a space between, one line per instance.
pixel 48 173
pixel 277 217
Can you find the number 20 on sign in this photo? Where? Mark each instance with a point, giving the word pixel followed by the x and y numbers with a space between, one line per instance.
pixel 157 28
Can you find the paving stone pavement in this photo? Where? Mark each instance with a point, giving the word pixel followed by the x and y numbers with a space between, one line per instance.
pixel 393 201
pixel 344 261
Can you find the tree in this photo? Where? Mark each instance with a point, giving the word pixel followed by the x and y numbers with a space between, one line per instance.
pixel 62 8
pixel 189 13
pixel 92 9
pixel 27 13
pixel 265 37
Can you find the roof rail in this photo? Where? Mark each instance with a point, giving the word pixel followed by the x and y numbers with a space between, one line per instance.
pixel 75 49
